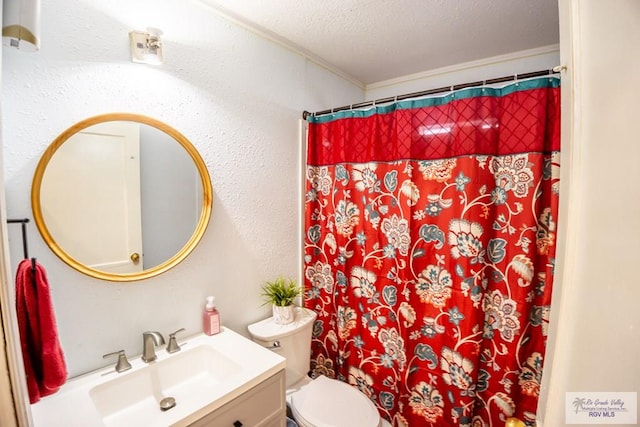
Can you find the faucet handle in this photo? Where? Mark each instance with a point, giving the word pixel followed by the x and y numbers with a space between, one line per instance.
pixel 122 364
pixel 173 346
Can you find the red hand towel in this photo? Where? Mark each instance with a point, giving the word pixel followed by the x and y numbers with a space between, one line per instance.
pixel 42 354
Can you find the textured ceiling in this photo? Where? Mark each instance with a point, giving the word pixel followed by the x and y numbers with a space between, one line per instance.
pixel 377 40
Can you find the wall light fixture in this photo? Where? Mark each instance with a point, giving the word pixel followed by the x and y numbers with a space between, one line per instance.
pixel 146 47
pixel 21 24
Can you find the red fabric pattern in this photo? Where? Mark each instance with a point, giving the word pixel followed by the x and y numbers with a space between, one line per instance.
pixel 42 354
pixel 514 123
pixel 429 256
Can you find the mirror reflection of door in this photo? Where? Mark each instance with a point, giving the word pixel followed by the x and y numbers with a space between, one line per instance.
pixel 170 195
pixel 103 208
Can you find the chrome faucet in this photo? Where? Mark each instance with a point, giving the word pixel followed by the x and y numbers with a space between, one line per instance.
pixel 150 340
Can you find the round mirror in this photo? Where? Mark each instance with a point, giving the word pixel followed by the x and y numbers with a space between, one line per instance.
pixel 121 197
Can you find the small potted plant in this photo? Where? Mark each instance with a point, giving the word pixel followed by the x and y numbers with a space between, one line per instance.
pixel 281 293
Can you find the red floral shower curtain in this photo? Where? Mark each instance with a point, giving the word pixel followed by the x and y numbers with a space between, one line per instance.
pixel 429 251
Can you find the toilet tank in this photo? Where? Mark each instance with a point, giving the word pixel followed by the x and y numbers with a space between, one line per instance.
pixel 292 341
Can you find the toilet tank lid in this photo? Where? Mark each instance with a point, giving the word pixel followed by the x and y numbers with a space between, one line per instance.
pixel 268 329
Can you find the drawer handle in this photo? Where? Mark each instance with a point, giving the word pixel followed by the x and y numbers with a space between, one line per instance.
pixel 237 424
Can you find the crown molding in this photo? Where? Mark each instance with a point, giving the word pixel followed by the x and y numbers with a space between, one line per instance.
pixel 279 40
pixel 466 65
pixel 311 57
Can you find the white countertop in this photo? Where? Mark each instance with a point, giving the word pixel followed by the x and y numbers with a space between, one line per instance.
pixel 72 405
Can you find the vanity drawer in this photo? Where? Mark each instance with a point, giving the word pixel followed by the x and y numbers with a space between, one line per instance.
pixel 262 406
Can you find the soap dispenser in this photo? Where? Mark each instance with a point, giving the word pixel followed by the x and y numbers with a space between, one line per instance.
pixel 210 317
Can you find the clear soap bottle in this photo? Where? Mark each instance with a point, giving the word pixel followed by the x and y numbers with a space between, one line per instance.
pixel 210 317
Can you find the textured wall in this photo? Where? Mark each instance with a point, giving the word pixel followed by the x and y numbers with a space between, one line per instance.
pixel 235 95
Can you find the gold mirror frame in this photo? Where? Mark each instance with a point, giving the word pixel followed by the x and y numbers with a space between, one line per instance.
pixel 205 215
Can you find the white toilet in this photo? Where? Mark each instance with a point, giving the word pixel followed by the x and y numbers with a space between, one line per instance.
pixel 322 402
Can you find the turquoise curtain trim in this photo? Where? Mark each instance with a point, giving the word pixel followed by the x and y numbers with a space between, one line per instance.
pixel 433 101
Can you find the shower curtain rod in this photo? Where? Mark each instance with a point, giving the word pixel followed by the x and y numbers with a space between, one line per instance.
pixel 510 78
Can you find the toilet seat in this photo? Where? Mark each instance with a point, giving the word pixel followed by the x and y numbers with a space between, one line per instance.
pixel 325 402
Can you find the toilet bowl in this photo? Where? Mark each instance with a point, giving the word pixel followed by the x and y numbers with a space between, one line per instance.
pixel 326 402
pixel 320 402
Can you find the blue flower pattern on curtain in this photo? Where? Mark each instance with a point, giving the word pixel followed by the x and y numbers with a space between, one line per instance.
pixel 431 275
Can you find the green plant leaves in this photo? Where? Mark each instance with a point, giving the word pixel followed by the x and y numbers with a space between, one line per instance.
pixel 280 292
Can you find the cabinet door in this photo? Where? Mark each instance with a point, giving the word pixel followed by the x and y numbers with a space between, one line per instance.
pixel 278 422
pixel 262 406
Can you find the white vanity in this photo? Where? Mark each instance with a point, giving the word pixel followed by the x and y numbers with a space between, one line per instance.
pixel 221 380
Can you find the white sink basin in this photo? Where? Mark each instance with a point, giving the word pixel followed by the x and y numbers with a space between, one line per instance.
pixel 189 376
pixel 204 375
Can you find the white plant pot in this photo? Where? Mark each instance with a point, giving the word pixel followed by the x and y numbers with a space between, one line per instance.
pixel 283 315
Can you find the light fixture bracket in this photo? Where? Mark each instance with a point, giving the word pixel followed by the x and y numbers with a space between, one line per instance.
pixel 146 47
